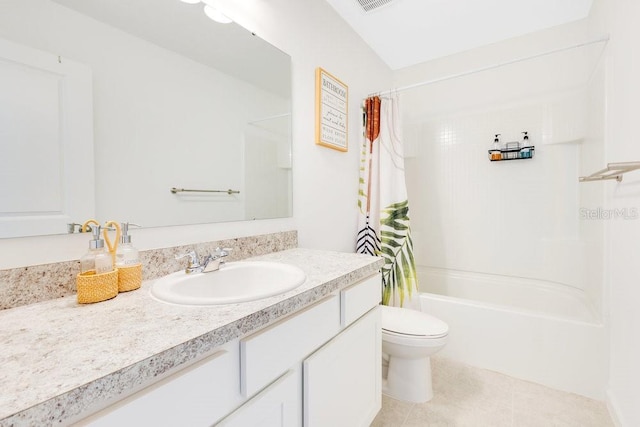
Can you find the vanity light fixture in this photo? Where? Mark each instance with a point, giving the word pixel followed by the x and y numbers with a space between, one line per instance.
pixel 212 12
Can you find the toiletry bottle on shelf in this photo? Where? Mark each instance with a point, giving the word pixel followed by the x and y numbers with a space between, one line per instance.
pixel 126 254
pixel 525 147
pixel 495 153
pixel 97 259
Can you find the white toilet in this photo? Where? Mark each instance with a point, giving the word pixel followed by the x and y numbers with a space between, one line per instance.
pixel 409 338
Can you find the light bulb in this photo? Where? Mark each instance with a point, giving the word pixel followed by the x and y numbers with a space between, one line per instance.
pixel 216 15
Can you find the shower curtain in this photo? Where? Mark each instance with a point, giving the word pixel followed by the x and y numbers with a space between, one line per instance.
pixel 383 222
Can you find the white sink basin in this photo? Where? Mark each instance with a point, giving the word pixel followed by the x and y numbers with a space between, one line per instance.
pixel 234 282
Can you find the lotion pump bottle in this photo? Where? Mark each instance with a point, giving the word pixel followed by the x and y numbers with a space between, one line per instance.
pixel 126 254
pixel 496 154
pixel 97 260
pixel 525 150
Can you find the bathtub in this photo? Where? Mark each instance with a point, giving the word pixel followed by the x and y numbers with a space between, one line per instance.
pixel 530 329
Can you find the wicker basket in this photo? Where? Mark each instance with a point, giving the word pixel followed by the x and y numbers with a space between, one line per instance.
pixel 96 287
pixel 129 278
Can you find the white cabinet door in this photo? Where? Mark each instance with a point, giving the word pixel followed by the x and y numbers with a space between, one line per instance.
pixel 342 380
pixel 267 354
pixel 278 405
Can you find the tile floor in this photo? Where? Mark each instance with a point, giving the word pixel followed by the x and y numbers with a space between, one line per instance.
pixel 471 397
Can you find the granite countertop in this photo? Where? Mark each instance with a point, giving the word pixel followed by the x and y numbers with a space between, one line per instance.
pixel 59 358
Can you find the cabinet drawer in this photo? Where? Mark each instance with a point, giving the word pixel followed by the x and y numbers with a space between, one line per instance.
pixel 359 298
pixel 267 354
pixel 197 395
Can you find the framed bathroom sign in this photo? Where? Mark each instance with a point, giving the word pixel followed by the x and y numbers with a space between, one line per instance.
pixel 332 102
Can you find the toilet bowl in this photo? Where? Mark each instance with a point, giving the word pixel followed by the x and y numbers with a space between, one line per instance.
pixel 409 338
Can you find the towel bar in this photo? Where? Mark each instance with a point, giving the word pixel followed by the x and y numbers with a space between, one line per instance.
pixel 612 171
pixel 175 190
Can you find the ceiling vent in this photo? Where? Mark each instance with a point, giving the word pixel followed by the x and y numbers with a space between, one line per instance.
pixel 370 5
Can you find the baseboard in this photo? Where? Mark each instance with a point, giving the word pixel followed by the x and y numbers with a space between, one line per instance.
pixel 614 410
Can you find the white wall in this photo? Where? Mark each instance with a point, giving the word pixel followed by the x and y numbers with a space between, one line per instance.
pixel 620 18
pixel 515 218
pixel 325 182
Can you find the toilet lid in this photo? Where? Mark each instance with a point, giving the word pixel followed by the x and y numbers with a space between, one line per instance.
pixel 411 322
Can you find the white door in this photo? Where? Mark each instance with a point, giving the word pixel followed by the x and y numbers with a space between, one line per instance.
pixel 46 142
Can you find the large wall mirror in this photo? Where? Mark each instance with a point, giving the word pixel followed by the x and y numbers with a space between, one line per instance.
pixel 108 105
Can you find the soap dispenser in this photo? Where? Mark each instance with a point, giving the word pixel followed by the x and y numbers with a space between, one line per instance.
pixel 128 262
pixel 97 260
pixel 495 153
pixel 126 254
pixel 525 150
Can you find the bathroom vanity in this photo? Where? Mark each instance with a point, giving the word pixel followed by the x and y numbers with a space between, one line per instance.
pixel 308 357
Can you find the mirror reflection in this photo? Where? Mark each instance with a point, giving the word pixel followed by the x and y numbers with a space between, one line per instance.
pixel 106 106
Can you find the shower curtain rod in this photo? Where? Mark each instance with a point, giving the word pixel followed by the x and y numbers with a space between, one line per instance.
pixel 491 67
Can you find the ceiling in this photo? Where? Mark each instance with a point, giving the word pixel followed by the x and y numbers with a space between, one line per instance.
pixel 184 28
pixel 408 32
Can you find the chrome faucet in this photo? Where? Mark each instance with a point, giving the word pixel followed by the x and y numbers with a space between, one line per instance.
pixel 208 264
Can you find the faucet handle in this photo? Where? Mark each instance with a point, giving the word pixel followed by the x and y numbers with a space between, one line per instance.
pixel 223 252
pixel 193 258
pixel 71 227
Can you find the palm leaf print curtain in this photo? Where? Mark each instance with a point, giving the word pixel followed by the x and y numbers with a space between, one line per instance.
pixel 383 223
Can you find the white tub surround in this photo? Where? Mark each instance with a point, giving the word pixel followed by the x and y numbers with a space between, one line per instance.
pixel 60 361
